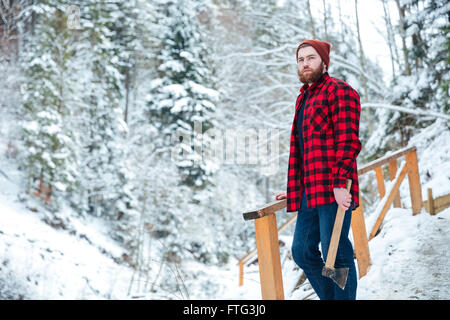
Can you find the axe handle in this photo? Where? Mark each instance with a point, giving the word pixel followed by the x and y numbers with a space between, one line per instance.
pixel 334 242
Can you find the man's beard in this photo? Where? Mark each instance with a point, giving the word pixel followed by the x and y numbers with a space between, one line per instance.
pixel 312 76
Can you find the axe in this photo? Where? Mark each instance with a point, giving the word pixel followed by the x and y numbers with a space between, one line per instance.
pixel 338 275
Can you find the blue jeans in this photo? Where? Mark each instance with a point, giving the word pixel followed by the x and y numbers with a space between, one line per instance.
pixel 315 226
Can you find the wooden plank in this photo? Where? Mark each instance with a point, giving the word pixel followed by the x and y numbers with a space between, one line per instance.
pixel 439 209
pixel 265 210
pixel 392 167
pixel 360 240
pixel 380 181
pixel 241 274
pixel 248 256
pixel 269 258
pixel 415 188
pixel 442 201
pixel 439 204
pixel 389 200
pixel 383 160
pixel 431 208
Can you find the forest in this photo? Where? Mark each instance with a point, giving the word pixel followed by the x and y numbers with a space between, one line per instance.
pixel 167 119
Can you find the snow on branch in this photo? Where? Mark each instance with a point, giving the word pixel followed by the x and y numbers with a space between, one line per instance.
pixel 337 59
pixel 254 53
pixel 406 110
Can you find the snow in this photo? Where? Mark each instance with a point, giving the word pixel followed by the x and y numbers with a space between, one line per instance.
pixel 32 126
pixel 176 90
pixel 51 263
pixel 418 112
pixel 202 90
pixel 70 255
pixel 409 257
pixel 180 105
pixel 57 265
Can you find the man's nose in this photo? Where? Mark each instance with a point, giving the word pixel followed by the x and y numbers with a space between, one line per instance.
pixel 304 64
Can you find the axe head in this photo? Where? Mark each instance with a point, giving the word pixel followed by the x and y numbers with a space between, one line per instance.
pixel 338 275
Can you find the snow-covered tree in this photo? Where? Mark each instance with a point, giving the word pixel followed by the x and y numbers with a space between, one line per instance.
pixel 48 155
pixel 181 101
pixel 104 179
pixel 423 84
pixel 74 129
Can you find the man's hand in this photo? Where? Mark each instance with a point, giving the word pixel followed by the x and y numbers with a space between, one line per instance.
pixel 280 196
pixel 343 198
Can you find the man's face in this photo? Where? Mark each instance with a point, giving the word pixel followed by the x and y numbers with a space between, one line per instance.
pixel 310 65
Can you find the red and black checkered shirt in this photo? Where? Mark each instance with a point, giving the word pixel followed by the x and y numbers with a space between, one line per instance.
pixel 331 144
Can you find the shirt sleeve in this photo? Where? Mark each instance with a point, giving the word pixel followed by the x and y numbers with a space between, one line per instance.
pixel 345 112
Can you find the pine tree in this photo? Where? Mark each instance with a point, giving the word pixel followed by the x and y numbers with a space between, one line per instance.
pixel 48 155
pixel 180 102
pixel 104 177
pixel 182 96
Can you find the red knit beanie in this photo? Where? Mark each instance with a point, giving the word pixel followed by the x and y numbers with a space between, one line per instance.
pixel 322 48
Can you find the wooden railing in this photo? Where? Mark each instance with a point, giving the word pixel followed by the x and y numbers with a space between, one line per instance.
pixel 253 252
pixel 266 231
pixel 435 205
pixel 266 234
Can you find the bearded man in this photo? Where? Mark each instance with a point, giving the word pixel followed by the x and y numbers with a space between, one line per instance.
pixel 324 145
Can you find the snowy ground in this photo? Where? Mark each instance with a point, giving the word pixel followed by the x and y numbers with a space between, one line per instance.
pixel 410 256
pixel 40 262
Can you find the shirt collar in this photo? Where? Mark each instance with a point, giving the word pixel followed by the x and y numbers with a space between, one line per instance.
pixel 316 84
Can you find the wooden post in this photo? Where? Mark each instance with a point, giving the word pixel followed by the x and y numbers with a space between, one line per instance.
pixel 360 239
pixel 251 253
pixel 268 248
pixel 380 181
pixel 414 181
pixel 392 166
pixel 390 198
pixel 269 258
pixel 431 209
pixel 241 274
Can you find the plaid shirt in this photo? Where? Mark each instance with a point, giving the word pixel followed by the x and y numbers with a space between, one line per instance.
pixel 331 142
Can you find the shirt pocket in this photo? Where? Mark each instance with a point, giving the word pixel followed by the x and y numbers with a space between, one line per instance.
pixel 318 117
